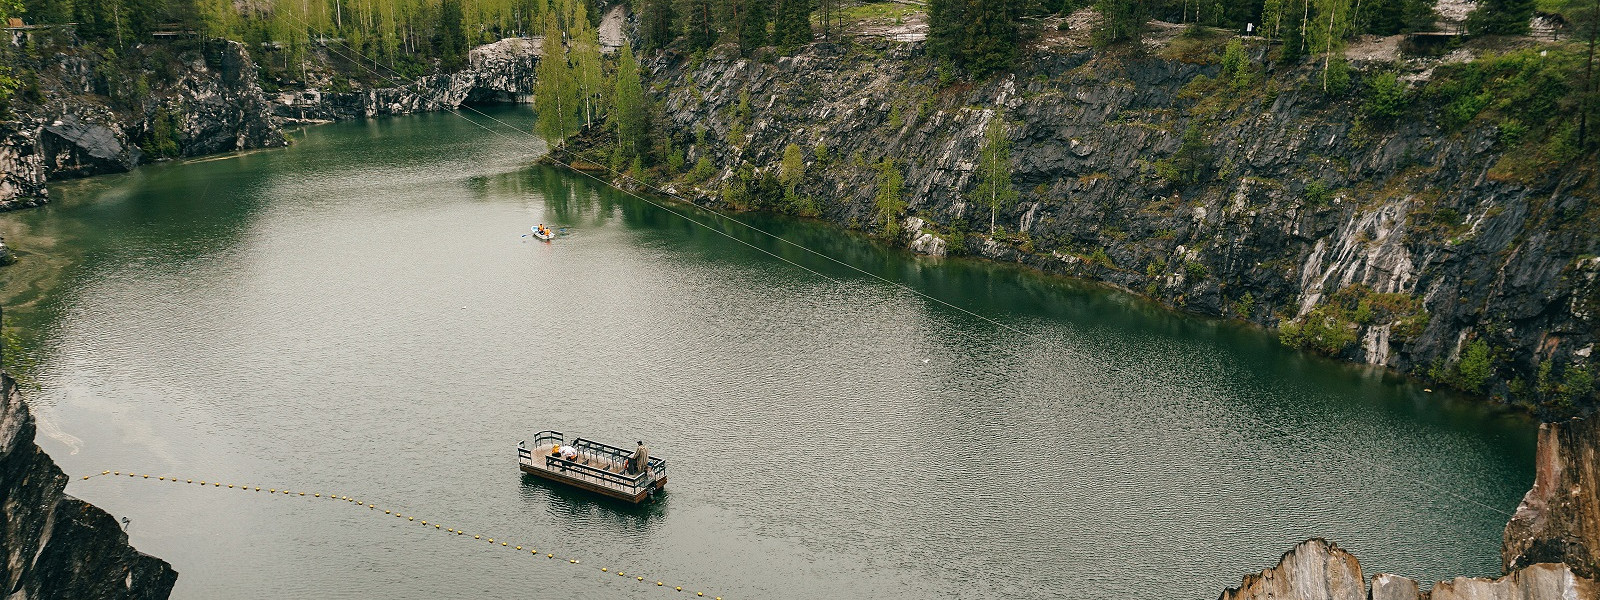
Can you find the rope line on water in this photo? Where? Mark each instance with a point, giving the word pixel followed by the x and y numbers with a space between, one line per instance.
pixel 398 80
pixel 374 508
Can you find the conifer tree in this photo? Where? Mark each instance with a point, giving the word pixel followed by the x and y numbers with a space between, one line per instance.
pixel 946 35
pixel 753 25
pixel 792 25
pixel 660 21
pixel 700 28
pixel 1121 21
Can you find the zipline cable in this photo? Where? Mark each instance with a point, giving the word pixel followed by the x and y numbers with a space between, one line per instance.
pixel 374 508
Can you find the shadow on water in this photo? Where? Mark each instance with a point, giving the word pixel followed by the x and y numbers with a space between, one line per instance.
pixel 571 503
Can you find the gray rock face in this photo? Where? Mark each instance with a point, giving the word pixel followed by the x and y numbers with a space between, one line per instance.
pixel 501 72
pixel 1559 519
pixel 1300 210
pixel 212 104
pixel 53 545
pixel 73 148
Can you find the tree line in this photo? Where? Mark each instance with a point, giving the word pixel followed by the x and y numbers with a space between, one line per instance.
pixel 406 33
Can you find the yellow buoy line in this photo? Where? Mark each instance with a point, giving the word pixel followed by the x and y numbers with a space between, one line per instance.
pixel 374 508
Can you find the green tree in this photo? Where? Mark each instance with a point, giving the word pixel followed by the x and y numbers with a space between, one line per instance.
pixel 1386 98
pixel 451 40
pixel 753 25
pixel 994 169
pixel 946 35
pixel 700 28
pixel 1584 15
pixel 556 95
pixel 793 168
pixel 1121 21
pixel 1500 17
pixel 792 24
pixel 890 199
pixel 585 56
pixel 630 113
pixel 991 36
pixel 659 20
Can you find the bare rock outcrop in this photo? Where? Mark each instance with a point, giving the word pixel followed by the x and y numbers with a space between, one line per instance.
pixel 1549 549
pixel 1559 519
pixel 53 545
pixel 1313 570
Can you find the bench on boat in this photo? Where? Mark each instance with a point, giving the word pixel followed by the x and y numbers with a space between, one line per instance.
pixel 597 467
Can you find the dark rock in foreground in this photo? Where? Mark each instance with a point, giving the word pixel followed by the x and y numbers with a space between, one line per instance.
pixel 54 545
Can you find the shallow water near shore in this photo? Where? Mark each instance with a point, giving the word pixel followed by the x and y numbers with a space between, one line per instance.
pixel 362 315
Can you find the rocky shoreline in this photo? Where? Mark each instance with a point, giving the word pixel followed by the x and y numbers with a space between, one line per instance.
pixel 1399 246
pixel 1549 551
pixel 213 104
pixel 57 546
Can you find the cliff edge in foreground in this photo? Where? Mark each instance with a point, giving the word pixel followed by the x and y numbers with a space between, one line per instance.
pixel 54 545
pixel 1549 549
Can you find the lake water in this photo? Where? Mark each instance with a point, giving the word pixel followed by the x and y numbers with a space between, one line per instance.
pixel 361 315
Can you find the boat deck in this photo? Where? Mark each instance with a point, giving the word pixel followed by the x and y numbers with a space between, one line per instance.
pixel 597 467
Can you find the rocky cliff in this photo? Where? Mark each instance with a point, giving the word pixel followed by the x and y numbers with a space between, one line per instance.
pixel 1559 519
pixel 1549 548
pixel 501 72
pixel 1402 243
pixel 54 545
pixel 86 112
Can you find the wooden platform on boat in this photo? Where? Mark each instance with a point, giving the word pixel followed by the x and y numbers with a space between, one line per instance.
pixel 599 468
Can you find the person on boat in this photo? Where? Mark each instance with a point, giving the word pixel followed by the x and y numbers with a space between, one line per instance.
pixel 543 231
pixel 640 461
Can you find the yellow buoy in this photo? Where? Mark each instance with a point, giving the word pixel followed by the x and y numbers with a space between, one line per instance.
pixel 105 472
pixel 679 588
pixel 602 569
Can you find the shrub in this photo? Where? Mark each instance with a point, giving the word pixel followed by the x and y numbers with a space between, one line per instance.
pixel 1386 98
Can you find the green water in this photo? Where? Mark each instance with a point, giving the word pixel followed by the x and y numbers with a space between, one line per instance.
pixel 361 315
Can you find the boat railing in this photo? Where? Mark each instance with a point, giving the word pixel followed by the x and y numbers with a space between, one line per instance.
pixel 589 452
pixel 658 466
pixel 525 453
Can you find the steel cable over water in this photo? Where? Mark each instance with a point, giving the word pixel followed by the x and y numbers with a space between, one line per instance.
pixel 373 507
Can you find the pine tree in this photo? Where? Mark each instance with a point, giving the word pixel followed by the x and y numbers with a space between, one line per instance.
pixel 659 24
pixel 792 24
pixel 991 35
pixel 994 169
pixel 753 25
pixel 701 28
pixel 451 43
pixel 946 35
pixel 1121 21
